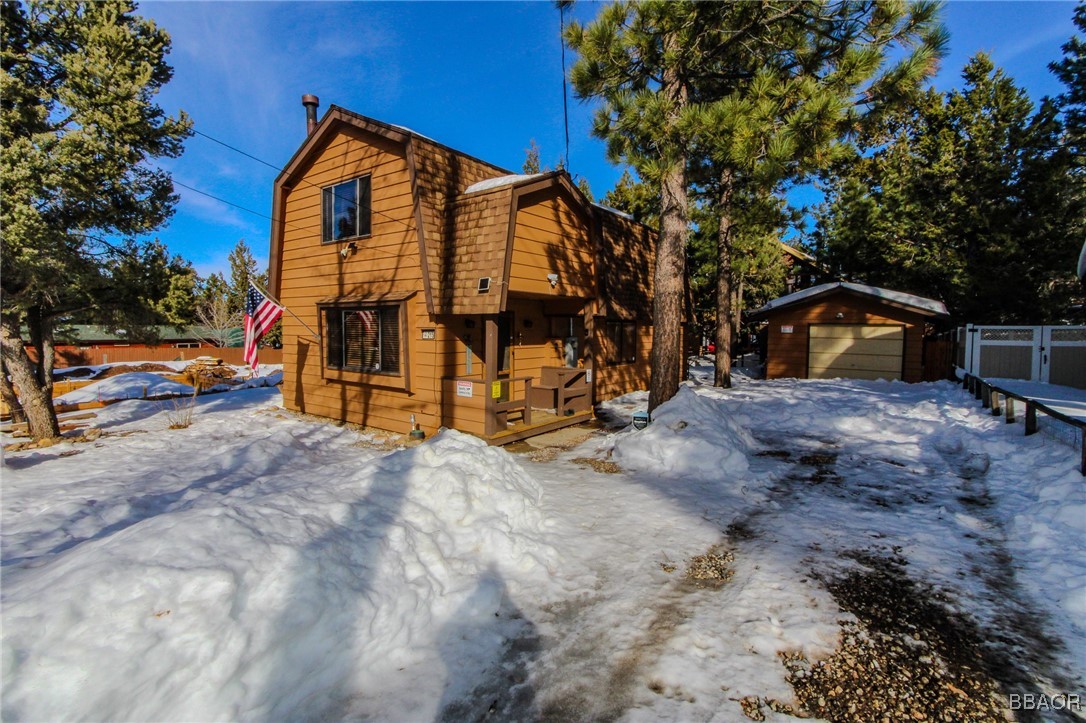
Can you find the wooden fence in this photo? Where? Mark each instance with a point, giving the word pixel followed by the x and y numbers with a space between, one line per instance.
pixel 939 354
pixel 109 355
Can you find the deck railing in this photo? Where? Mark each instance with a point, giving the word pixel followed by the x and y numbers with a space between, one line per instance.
pixel 495 399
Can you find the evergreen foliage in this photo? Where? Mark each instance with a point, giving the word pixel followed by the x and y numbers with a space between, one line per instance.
pixel 1071 70
pixel 79 127
pixel 531 158
pixel 638 199
pixel 967 197
pixel 735 99
pixel 638 59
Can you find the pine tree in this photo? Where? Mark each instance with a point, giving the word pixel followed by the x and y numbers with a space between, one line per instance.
pixel 242 272
pixel 779 104
pixel 968 197
pixel 638 199
pixel 737 98
pixel 78 125
pixel 531 158
pixel 638 59
pixel 1071 70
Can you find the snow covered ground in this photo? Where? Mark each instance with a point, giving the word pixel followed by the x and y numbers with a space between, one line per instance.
pixel 260 565
pixel 143 385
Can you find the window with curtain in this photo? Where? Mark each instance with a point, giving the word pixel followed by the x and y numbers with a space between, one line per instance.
pixel 363 339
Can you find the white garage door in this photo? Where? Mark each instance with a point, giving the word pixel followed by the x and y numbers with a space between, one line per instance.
pixel 855 351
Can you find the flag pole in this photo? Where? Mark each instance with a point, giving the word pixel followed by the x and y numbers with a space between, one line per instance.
pixel 316 336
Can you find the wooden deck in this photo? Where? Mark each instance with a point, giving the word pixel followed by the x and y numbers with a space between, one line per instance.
pixel 542 421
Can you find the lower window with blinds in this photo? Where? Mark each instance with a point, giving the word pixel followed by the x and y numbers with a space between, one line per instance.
pixel 363 339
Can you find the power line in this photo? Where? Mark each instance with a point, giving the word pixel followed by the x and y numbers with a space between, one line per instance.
pixel 272 219
pixel 565 91
pixel 349 199
pixel 229 203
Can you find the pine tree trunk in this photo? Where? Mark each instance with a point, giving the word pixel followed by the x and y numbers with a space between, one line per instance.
pixel 7 393
pixel 669 281
pixel 723 375
pixel 37 403
pixel 41 338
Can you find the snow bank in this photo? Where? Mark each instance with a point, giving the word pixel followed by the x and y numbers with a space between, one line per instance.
pixel 289 574
pixel 134 385
pixel 141 385
pixel 690 435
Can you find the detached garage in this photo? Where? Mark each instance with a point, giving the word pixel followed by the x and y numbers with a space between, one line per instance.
pixel 847 330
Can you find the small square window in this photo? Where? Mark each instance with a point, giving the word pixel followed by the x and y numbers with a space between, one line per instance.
pixel 345 210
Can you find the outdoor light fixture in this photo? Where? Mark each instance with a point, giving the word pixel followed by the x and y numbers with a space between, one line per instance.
pixel 553 278
pixel 348 250
pixel 840 315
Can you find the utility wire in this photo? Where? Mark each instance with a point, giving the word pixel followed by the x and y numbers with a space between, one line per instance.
pixel 349 199
pixel 279 220
pixel 565 91
pixel 229 203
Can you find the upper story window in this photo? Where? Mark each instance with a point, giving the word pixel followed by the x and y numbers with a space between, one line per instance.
pixel 345 210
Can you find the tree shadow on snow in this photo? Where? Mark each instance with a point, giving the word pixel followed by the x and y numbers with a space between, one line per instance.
pixel 487 647
pixel 332 605
pixel 235 474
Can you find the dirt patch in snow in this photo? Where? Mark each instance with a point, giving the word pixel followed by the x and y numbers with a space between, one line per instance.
pixel 712 569
pixel 906 656
pixel 604 466
pixel 116 371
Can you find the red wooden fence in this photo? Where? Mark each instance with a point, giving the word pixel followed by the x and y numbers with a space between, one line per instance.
pixel 110 354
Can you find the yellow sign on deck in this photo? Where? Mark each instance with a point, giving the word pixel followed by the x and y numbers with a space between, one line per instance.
pixel 496 390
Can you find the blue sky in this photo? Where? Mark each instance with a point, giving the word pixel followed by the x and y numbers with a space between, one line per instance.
pixel 482 77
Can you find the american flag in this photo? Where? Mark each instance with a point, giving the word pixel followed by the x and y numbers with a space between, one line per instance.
pixel 260 314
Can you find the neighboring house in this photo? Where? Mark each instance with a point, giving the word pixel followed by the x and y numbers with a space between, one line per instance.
pixel 435 288
pixel 803 270
pixel 79 344
pixel 848 330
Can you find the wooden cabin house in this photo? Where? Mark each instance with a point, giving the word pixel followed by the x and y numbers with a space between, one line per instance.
pixel 434 289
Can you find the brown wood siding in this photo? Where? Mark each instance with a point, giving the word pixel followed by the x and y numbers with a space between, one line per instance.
pixel 385 263
pixel 551 238
pixel 787 353
pixel 614 380
pixel 626 267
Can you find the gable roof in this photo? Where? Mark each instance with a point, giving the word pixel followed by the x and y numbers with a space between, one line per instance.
pixel 919 304
pixel 464 210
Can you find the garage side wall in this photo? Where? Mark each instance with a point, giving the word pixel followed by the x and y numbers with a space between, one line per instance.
pixel 788 352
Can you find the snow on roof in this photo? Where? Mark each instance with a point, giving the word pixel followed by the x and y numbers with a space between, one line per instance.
pixel 897 297
pixel 615 211
pixel 501 181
